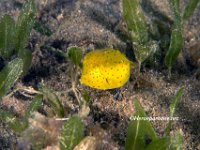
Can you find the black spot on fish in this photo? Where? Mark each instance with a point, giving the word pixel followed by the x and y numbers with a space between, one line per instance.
pixel 107 80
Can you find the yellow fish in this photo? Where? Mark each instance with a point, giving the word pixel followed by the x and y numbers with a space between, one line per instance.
pixel 105 69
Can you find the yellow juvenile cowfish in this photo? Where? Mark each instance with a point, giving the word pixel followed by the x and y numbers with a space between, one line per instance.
pixel 105 69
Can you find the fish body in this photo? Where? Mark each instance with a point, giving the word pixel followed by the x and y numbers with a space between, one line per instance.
pixel 105 69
